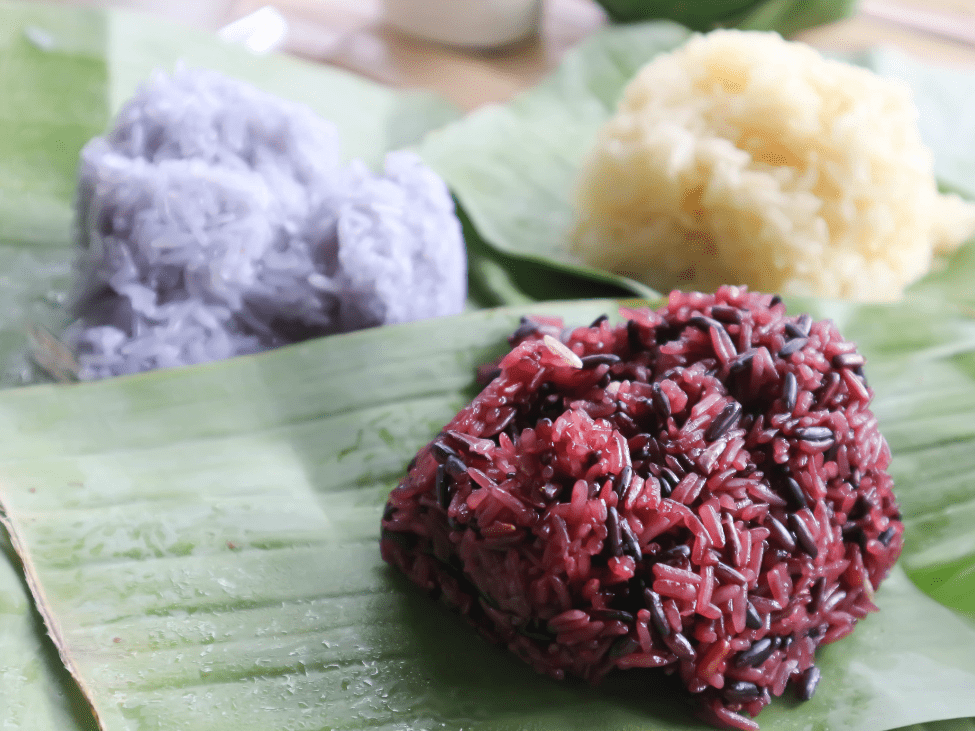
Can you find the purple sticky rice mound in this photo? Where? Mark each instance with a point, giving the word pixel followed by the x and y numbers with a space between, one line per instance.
pixel 701 489
pixel 217 220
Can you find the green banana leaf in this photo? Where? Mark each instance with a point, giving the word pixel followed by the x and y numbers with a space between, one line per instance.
pixel 35 688
pixel 250 491
pixel 203 541
pixel 784 16
pixel 512 167
pixel 700 15
pixel 791 16
pixel 64 73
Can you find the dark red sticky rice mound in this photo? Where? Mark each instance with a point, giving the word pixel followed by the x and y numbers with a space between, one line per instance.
pixel 701 489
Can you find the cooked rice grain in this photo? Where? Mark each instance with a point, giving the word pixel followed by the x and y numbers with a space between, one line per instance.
pixel 666 507
pixel 217 220
pixel 742 158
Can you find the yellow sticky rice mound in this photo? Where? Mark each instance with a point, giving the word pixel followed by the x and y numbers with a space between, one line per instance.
pixel 742 158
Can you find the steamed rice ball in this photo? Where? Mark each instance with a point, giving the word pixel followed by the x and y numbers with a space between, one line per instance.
pixel 743 158
pixel 218 220
pixel 702 489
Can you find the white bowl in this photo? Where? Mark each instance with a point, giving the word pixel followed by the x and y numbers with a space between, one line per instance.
pixel 468 23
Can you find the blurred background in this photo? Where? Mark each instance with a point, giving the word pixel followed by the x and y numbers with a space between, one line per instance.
pixel 494 57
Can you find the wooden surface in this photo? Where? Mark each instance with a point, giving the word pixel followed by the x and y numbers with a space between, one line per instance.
pixel 351 34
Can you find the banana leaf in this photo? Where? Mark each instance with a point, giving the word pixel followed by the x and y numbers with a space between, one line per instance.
pixel 788 17
pixel 701 15
pixel 512 167
pixel 202 542
pixel 250 491
pixel 783 16
pixel 35 688
pixel 65 72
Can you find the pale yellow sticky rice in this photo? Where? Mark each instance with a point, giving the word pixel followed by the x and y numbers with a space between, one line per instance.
pixel 742 158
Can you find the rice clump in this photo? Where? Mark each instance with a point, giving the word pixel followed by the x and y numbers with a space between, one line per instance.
pixel 217 220
pixel 743 158
pixel 701 489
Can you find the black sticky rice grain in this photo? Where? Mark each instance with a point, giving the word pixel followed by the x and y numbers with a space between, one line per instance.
pixel 790 391
pixel 707 494
pixel 757 654
pixel 793 493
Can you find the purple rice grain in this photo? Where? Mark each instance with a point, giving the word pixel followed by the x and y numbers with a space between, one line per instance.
pixel 657 615
pixel 723 421
pixel 799 328
pixel 442 452
pixel 660 400
pixel 633 339
pixel 623 646
pixel 816 594
pixel 808 682
pixel 613 538
pixel 780 534
pixel 442 487
pixel 640 507
pixel 742 363
pixel 753 620
pixel 804 538
pixel 760 651
pixel 730 315
pixel 668 480
pixel 622 482
pixel 854 534
pixel 863 504
pixel 525 329
pixel 591 361
pixel 681 462
pixel 793 493
pixel 704 323
pixel 847 360
pixel 790 391
pixel 455 467
pixel 724 571
pixel 829 389
pixel 631 545
pixel 680 646
pixel 741 690
pixel 793 346
pixel 611 615
pixel 819 435
pixel 832 600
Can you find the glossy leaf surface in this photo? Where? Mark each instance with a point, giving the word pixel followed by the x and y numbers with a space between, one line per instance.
pixel 204 544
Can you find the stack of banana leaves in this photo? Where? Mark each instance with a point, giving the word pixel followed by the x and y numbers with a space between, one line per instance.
pixel 197 548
